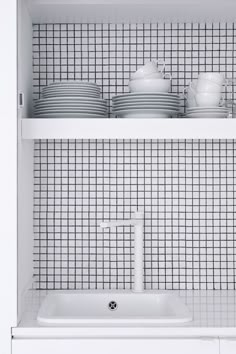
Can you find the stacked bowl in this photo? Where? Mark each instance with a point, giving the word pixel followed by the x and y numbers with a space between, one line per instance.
pixel 70 99
pixel 149 95
pixel 150 78
pixel 204 96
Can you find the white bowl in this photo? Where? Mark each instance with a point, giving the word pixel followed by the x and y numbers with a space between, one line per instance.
pixel 156 75
pixel 148 69
pixel 150 85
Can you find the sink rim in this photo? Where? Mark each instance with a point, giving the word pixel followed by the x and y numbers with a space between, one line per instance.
pixel 183 315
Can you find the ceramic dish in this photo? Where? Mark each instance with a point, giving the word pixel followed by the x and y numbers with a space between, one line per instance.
pixel 70 115
pixel 147 113
pixel 145 105
pixel 73 104
pixel 82 94
pixel 207 115
pixel 146 94
pixel 207 110
pixel 71 99
pixel 68 84
pixel 69 90
pixel 70 110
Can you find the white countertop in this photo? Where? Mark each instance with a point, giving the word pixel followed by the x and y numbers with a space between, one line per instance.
pixel 214 315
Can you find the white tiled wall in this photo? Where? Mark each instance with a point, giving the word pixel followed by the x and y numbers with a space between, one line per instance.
pixel 186 188
pixel 109 53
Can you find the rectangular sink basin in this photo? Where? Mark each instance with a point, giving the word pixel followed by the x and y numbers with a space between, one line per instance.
pixel 76 308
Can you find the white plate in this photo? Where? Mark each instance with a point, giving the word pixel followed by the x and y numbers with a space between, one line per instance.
pixel 71 93
pixel 162 102
pixel 207 115
pixel 68 108
pixel 72 83
pixel 175 111
pixel 147 113
pixel 147 94
pixel 211 109
pixel 138 107
pixel 147 99
pixel 70 115
pixel 70 105
pixel 95 95
pixel 208 112
pixel 144 105
pixel 71 109
pixel 76 100
pixel 50 92
pixel 70 99
pixel 71 86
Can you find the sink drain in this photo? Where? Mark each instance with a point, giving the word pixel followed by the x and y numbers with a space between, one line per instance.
pixel 112 305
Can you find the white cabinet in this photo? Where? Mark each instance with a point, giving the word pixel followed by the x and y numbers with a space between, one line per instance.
pixel 228 346
pixel 116 346
pixel 8 176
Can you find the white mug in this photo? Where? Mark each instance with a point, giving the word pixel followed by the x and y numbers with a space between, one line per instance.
pixel 213 76
pixel 208 86
pixel 206 99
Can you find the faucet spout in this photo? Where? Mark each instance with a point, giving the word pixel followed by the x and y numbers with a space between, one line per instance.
pixel 138 257
pixel 138 222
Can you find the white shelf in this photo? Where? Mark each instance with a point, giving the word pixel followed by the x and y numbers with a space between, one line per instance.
pixel 106 128
pixel 126 11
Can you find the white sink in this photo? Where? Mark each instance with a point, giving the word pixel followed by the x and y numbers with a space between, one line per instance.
pixel 76 308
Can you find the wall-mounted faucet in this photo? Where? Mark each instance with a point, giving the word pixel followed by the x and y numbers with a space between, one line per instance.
pixel 138 222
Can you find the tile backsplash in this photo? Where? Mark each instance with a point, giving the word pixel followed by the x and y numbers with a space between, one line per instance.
pixel 185 188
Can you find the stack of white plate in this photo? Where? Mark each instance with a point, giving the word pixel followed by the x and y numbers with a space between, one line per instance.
pixel 146 105
pixel 207 112
pixel 70 107
pixel 71 99
pixel 71 89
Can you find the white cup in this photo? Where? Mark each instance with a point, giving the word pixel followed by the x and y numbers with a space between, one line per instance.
pixel 206 99
pixel 218 78
pixel 208 86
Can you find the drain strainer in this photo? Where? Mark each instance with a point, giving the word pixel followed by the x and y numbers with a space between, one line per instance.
pixel 112 305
